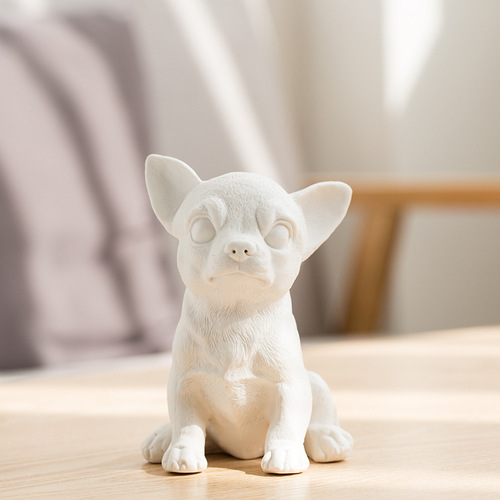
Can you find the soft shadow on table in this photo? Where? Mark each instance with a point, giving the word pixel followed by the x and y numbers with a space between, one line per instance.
pixel 216 462
pixel 230 477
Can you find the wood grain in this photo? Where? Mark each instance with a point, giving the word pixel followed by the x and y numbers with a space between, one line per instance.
pixel 424 411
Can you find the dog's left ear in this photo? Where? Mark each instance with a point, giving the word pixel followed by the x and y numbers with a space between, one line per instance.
pixel 168 182
pixel 324 205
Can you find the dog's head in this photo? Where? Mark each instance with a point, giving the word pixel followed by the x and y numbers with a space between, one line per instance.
pixel 242 238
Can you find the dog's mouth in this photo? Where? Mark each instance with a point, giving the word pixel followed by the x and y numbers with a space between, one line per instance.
pixel 257 275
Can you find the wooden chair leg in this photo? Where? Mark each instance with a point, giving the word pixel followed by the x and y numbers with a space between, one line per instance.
pixel 371 269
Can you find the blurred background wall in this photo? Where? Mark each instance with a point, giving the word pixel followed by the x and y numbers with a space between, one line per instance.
pixel 286 87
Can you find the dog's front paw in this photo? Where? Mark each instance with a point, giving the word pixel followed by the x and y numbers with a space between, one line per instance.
pixel 184 459
pixel 328 443
pixel 154 446
pixel 290 459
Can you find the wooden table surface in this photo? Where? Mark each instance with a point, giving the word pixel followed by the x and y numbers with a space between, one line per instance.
pixel 424 411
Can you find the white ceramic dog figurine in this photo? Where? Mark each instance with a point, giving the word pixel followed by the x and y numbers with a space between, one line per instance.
pixel 238 382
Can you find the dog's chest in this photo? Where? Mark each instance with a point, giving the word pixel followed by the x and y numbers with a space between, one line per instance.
pixel 227 366
pixel 237 388
pixel 232 369
pixel 229 391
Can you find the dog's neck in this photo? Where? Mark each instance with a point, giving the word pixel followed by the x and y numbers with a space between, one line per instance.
pixel 206 309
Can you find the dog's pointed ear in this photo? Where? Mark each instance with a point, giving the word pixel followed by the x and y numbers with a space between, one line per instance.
pixel 168 182
pixel 324 205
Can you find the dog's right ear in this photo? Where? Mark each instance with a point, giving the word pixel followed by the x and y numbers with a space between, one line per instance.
pixel 168 182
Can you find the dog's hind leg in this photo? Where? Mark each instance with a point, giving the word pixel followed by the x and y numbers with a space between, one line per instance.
pixel 156 444
pixel 325 440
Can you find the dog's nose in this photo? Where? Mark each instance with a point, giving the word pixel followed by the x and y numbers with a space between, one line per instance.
pixel 240 250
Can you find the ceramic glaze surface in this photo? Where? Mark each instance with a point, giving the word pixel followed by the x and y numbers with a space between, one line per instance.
pixel 238 382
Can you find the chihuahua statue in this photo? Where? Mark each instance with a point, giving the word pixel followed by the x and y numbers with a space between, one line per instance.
pixel 238 382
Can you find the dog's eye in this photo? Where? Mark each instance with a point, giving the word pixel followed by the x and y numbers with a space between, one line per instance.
pixel 202 230
pixel 278 237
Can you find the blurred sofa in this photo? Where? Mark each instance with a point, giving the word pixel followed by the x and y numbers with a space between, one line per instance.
pixel 82 270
